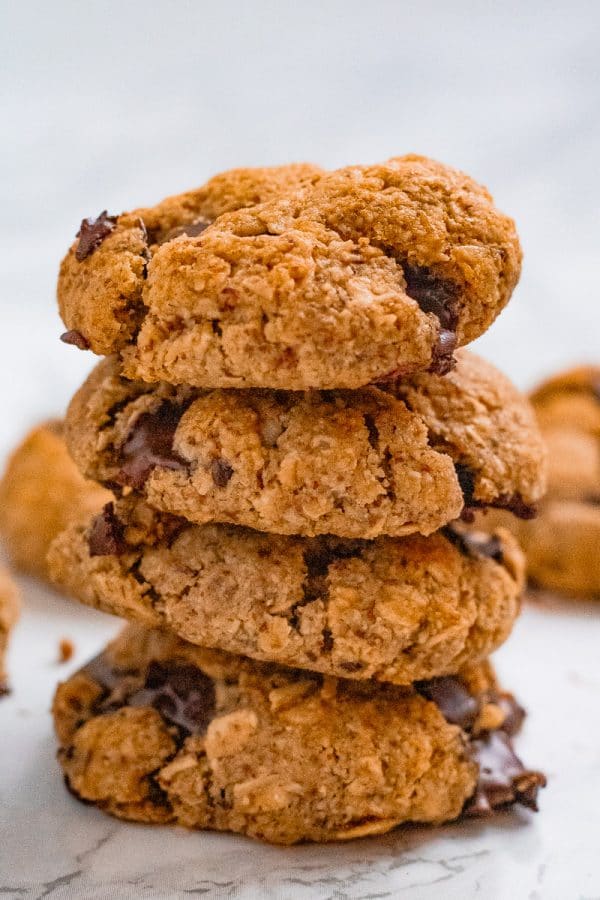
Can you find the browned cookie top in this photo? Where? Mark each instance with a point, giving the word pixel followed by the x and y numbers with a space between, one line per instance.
pixel 157 730
pixel 403 459
pixel 313 280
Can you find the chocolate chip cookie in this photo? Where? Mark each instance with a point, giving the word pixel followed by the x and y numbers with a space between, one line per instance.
pixel 156 730
pixel 392 609
pixel 294 278
pixel 9 612
pixel 562 544
pixel 41 491
pixel 403 458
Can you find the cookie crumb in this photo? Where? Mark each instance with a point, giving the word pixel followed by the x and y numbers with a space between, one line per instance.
pixel 66 649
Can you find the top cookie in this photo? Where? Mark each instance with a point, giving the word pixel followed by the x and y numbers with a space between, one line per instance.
pixel 303 280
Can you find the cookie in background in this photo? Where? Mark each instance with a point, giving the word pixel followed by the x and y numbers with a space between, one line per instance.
pixel 9 613
pixel 562 543
pixel 41 492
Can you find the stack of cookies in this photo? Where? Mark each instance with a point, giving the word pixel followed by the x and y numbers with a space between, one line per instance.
pixel 291 437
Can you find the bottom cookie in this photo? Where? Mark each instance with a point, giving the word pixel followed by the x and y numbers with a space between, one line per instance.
pixel 9 611
pixel 158 730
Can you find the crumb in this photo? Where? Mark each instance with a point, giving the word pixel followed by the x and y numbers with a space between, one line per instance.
pixel 66 649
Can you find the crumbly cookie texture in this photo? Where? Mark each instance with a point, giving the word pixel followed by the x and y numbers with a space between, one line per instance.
pixel 399 460
pixel 9 612
pixel 334 281
pixel 156 730
pixel 41 491
pixel 393 609
pixel 562 543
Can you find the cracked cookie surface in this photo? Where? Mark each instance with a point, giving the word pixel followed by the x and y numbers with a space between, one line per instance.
pixel 9 613
pixel 41 491
pixel 156 730
pixel 562 543
pixel 396 460
pixel 304 279
pixel 393 609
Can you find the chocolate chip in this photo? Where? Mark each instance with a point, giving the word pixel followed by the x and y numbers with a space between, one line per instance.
pixel 105 537
pixel 517 506
pixel 327 643
pixel 221 472
pixel 156 795
pixel 514 714
pixel 4 689
pixel 433 294
pixel 182 693
pixel 442 355
pixel 452 698
pixel 76 339
pixel 192 229
pixel 466 479
pixel 473 543
pixel 91 234
pixel 503 779
pixel 150 444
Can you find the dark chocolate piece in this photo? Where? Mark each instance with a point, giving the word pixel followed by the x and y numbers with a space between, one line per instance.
pixel 91 234
pixel 517 506
pixel 454 701
pixel 76 339
pixel 466 479
pixel 192 229
pixel 442 355
pixel 433 294
pixel 182 693
pixel 503 779
pixel 106 534
pixel 150 444
pixel 221 472
pixel 473 543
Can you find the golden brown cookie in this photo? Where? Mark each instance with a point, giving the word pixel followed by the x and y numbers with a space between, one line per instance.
pixel 393 609
pixel 357 464
pixel 334 281
pixel 563 543
pixel 9 612
pixel 41 491
pixel 156 730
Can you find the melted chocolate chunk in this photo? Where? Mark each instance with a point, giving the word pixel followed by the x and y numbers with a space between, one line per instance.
pixel 104 673
pixel 106 534
pixel 76 339
pixel 182 693
pixel 503 779
pixel 454 701
pixel 192 229
pixel 473 543
pixel 517 506
pixel 442 356
pixel 4 689
pixel 514 714
pixel 91 234
pixel 221 472
pixel 150 444
pixel 433 294
pixel 466 479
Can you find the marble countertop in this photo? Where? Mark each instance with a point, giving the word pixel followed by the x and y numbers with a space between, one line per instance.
pixel 116 104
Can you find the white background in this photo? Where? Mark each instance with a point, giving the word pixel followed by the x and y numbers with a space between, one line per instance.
pixel 115 104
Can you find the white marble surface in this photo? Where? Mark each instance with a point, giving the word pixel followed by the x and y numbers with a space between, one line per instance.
pixel 114 104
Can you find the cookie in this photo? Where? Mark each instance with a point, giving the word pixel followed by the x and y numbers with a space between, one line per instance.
pixel 9 612
pixel 334 281
pixel 156 730
pixel 562 543
pixel 399 460
pixel 392 609
pixel 40 492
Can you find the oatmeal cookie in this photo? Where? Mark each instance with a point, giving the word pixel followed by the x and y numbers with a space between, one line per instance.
pixel 392 609
pixel 399 460
pixel 40 492
pixel 9 611
pixel 156 730
pixel 336 280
